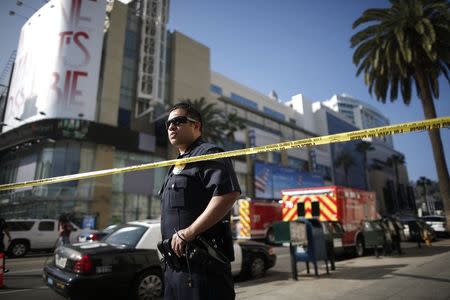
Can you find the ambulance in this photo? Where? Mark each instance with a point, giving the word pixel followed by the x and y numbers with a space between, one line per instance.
pixel 351 208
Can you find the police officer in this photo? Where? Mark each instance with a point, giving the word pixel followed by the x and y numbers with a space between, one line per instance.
pixel 196 200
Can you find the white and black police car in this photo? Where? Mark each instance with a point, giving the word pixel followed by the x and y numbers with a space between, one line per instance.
pixel 127 265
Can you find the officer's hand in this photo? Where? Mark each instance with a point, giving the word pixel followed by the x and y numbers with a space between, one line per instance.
pixel 178 243
pixel 179 240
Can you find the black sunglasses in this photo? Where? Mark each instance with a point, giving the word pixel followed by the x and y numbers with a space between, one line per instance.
pixel 177 121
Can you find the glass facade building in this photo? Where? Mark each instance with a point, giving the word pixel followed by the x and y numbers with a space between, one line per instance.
pixel 56 147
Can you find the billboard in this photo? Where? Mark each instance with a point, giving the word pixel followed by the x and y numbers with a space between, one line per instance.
pixel 57 66
pixel 270 179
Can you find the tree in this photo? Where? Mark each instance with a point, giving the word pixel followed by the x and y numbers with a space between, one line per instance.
pixel 363 147
pixel 217 126
pixel 408 42
pixel 424 182
pixel 394 161
pixel 345 160
pixel 233 123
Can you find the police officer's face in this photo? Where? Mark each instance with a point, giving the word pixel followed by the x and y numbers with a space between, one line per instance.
pixel 181 130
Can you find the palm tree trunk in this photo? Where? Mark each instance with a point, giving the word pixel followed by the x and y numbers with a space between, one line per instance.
pixel 436 143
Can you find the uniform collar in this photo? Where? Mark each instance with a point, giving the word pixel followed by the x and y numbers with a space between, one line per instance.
pixel 194 144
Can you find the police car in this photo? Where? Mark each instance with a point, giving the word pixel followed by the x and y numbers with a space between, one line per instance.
pixel 127 264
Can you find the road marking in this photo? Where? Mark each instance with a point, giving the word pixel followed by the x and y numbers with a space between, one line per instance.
pixel 21 272
pixel 24 290
pixel 283 255
pixel 28 261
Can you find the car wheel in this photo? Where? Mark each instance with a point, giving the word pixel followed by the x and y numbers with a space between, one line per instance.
pixel 149 285
pixel 18 248
pixel 359 247
pixel 257 267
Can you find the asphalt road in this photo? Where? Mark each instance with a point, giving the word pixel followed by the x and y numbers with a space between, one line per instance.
pixel 24 281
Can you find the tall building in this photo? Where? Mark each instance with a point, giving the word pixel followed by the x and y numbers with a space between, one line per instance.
pixel 267 120
pixel 360 114
pixel 386 167
pixel 90 105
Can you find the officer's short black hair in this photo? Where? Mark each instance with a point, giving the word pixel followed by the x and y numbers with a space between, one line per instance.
pixel 190 111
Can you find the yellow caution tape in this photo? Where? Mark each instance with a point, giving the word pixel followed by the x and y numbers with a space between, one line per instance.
pixel 321 140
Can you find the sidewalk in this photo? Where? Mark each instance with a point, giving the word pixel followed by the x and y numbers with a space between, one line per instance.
pixel 419 274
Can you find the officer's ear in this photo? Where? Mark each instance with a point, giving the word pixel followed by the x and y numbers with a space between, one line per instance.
pixel 198 125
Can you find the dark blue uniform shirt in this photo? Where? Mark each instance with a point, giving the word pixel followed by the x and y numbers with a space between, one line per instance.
pixel 187 190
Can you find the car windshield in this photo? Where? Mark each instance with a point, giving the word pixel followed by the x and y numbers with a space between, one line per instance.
pixel 126 235
pixel 376 226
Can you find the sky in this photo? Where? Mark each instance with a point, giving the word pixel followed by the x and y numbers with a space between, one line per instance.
pixel 290 46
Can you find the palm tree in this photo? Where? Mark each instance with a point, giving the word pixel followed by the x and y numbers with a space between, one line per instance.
pixel 408 42
pixel 217 126
pixel 363 147
pixel 394 161
pixel 233 123
pixel 345 160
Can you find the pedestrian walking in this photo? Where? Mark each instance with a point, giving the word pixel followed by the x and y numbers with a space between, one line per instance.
pixel 4 231
pixel 65 228
pixel 196 203
pixel 397 237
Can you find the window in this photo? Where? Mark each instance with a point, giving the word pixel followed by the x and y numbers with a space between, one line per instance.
pixel 127 236
pixel 130 49
pixel 255 118
pixel 124 118
pixel 20 226
pixel 271 124
pixel 298 163
pixel 274 113
pixel 325 171
pixel 66 160
pixel 276 158
pixel 244 101
pixel 46 226
pixel 215 89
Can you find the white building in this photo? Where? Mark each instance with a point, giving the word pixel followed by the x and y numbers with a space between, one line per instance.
pixel 361 114
pixel 271 121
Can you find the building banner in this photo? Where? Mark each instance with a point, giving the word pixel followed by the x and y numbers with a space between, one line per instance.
pixel 57 67
pixel 271 179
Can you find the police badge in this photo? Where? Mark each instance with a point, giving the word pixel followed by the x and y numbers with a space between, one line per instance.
pixel 178 168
